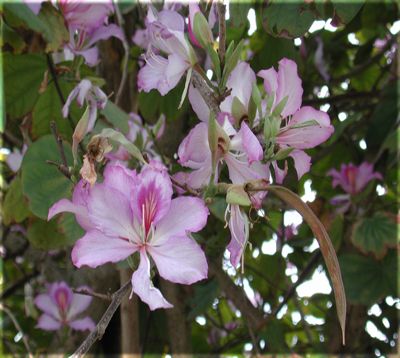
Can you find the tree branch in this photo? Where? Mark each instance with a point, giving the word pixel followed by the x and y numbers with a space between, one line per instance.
pixel 194 192
pixel 222 32
pixel 121 22
pixel 206 92
pixel 91 293
pixel 98 332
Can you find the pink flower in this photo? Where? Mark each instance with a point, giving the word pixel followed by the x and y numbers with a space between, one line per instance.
pixel 94 96
pixel 167 33
pixel 295 132
pixel 61 306
pixel 354 179
pixel 86 15
pixel 131 213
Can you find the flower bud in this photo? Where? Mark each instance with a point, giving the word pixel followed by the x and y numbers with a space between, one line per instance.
pixel 237 195
pixel 283 153
pixel 239 111
pixel 202 31
pixel 79 133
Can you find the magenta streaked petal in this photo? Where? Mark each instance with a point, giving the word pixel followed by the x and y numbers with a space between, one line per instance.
pixel 193 9
pixel 47 305
pixel 83 324
pixel 151 198
pixel 78 304
pixel 180 260
pixel 143 287
pixel 109 211
pixel 236 225
pixel 95 249
pixel 185 214
pixel 61 294
pixel 48 323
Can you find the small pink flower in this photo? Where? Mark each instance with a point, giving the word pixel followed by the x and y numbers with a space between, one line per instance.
pixel 354 179
pixel 61 306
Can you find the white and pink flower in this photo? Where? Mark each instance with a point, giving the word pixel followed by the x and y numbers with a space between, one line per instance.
pixel 131 213
pixel 61 306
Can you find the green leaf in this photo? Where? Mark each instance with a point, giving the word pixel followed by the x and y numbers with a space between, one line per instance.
pixel 56 32
pixel 44 235
pixel 375 235
pixel 274 336
pixel 204 297
pixel 42 184
pixel 68 226
pixel 336 231
pixel 218 207
pixel 238 11
pixel 366 280
pixel 22 81
pixel 119 137
pixel 325 245
pixel 149 104
pixel 117 117
pixel 345 11
pixel 48 108
pixel 286 19
pixel 15 208
pixel 10 40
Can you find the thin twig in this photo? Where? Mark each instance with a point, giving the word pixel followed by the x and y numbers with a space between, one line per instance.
pixel 222 32
pixel 64 171
pixel 121 23
pixel 194 192
pixel 18 327
pixel 342 98
pixel 91 293
pixel 98 332
pixel 59 143
pixel 206 92
pixel 60 95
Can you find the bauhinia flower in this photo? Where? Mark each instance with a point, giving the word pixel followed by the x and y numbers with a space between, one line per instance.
pixel 94 96
pixel 302 128
pixel 167 33
pixel 133 213
pixel 61 306
pixel 353 180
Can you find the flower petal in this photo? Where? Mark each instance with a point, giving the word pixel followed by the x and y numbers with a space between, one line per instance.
pixel 48 323
pixel 152 75
pixel 120 178
pixel 198 104
pixel 78 304
pixel 180 260
pixel 83 324
pixel 151 198
pixel 194 149
pixel 95 249
pixel 302 162
pixel 143 287
pixel 185 214
pixel 240 81
pixel 306 137
pixel 47 305
pixel 109 211
pixel 236 225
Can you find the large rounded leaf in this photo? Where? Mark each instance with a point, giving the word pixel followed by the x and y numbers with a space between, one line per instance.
pixel 14 205
pixel 42 184
pixel 375 235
